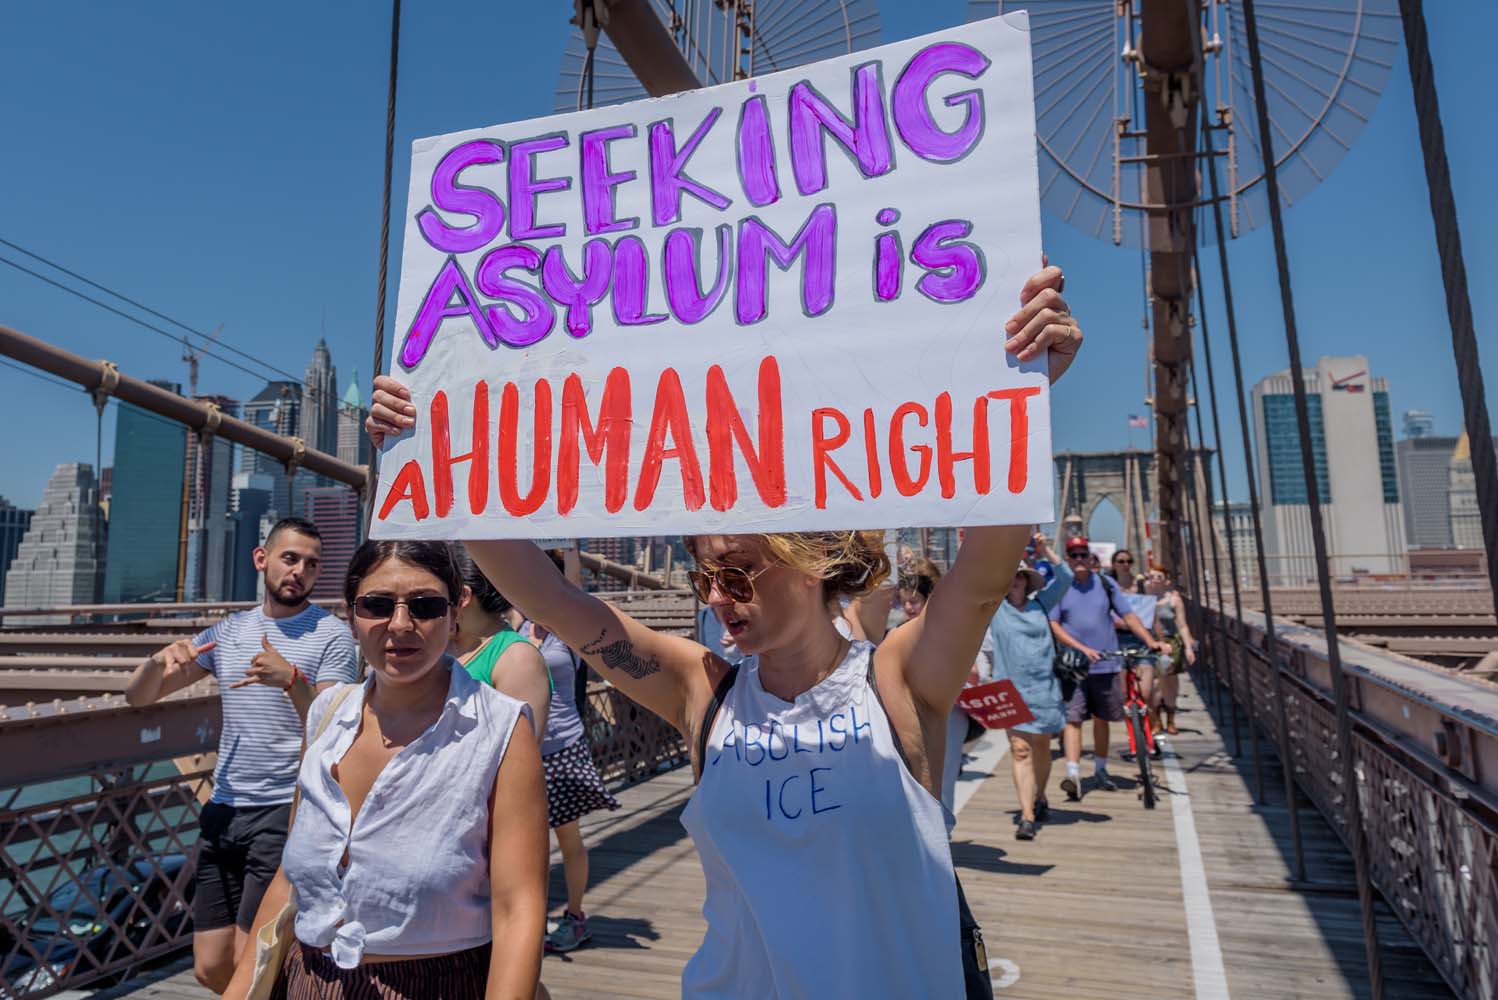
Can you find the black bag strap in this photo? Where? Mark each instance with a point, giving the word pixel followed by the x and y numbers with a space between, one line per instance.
pixel 713 704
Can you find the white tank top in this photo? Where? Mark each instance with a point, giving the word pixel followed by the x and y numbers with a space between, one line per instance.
pixel 828 868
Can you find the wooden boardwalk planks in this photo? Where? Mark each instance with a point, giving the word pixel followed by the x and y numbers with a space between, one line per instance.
pixel 1093 908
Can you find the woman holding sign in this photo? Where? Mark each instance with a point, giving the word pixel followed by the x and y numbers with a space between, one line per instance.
pixel 1023 653
pixel 816 815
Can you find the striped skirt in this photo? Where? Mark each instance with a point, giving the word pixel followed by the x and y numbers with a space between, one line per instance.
pixel 310 974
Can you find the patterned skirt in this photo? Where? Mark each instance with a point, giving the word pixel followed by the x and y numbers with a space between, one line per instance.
pixel 573 785
pixel 311 974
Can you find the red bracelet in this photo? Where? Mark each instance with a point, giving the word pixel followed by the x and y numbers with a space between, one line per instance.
pixel 296 675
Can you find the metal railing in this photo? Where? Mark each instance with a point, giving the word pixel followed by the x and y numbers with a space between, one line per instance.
pixel 98 846
pixel 1426 759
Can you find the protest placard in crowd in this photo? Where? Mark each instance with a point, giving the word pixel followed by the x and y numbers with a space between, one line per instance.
pixel 771 305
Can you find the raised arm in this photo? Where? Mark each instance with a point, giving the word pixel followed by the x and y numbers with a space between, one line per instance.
pixel 666 674
pixel 935 653
pixel 167 670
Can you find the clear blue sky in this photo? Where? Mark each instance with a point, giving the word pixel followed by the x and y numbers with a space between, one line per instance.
pixel 222 163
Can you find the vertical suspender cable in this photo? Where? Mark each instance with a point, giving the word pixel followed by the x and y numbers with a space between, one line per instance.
pixel 379 351
pixel 1454 277
pixel 1287 761
pixel 1351 794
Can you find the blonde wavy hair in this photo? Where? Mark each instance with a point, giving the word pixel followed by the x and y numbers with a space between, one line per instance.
pixel 849 563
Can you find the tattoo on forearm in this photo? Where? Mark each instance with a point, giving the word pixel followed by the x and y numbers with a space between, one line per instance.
pixel 620 655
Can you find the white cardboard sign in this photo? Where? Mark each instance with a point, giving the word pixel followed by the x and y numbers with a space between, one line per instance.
pixel 771 305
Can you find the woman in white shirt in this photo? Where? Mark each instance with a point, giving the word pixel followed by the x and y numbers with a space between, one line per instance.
pixel 816 816
pixel 418 851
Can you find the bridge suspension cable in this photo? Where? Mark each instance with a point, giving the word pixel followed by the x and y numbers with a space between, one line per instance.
pixel 1351 792
pixel 372 470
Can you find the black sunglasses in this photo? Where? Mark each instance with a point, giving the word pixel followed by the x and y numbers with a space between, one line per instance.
pixel 1079 554
pixel 1126 562
pixel 380 607
pixel 733 582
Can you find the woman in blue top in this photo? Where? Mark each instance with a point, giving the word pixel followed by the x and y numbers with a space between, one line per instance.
pixel 1023 653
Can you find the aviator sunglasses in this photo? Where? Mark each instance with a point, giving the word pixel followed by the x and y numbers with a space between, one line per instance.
pixel 733 582
pixel 380 607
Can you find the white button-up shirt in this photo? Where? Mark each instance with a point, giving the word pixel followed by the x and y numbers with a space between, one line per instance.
pixel 417 878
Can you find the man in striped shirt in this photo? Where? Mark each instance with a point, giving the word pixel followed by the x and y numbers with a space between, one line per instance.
pixel 270 662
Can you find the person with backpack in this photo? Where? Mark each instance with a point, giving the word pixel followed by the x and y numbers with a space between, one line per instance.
pixel 816 818
pixel 1083 620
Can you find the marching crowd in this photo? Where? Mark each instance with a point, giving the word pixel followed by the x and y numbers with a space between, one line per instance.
pixel 388 837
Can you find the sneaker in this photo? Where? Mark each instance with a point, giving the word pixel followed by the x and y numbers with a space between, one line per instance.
pixel 1026 830
pixel 1105 781
pixel 1072 786
pixel 571 933
pixel 1042 810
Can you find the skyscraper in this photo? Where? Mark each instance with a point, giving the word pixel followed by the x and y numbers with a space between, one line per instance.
pixel 335 511
pixel 250 500
pixel 1240 515
pixel 13 524
pixel 57 562
pixel 1352 446
pixel 1425 489
pixel 277 408
pixel 146 510
pixel 319 426
pixel 1418 424
pixel 1466 516
pixel 209 476
pixel 353 443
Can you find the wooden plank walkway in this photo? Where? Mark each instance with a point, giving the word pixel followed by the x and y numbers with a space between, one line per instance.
pixel 1095 907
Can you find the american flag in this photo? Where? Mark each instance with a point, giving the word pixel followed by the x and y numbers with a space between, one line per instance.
pixel 1136 421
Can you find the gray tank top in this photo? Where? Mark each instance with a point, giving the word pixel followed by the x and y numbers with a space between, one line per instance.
pixel 1166 612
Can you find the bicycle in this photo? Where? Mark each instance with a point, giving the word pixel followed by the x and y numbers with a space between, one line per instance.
pixel 1137 721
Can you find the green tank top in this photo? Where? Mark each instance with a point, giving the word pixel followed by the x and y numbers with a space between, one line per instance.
pixel 481 666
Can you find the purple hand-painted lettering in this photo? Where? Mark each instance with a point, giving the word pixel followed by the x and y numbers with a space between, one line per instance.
pixel 631 295
pixel 578 295
pixel 756 148
pixel 525 186
pixel 537 316
pixel 816 242
pixel 447 194
pixel 866 137
pixel 598 182
pixel 683 271
pixel 913 119
pixel 957 267
pixel 437 306
pixel 668 176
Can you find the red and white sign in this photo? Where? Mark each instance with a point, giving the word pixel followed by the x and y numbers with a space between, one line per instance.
pixel 996 705
pixel 771 305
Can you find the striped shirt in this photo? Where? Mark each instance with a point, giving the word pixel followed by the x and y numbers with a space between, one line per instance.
pixel 261 739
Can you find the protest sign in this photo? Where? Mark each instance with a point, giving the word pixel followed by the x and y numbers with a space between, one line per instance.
pixel 996 705
pixel 771 305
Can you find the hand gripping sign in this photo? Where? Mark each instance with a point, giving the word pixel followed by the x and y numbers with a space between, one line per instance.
pixel 772 305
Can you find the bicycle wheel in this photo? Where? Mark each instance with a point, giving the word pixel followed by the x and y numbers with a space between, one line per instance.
pixel 1137 736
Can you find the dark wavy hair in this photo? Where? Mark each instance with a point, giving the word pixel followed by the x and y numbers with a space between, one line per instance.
pixel 434 557
pixel 485 593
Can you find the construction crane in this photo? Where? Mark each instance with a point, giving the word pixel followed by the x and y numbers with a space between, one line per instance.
pixel 192 357
pixel 196 447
